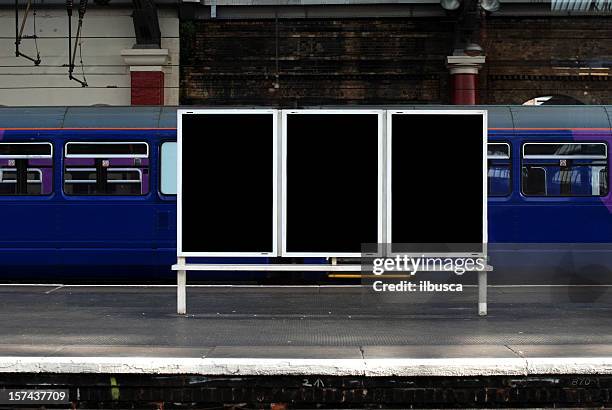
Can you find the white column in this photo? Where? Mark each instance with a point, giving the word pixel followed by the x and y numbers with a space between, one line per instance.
pixel 181 289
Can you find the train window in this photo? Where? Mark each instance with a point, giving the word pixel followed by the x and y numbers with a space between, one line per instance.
pixel 8 182
pixel 499 179
pixel 119 149
pixel 26 168
pixel 25 150
pixel 565 169
pixel 552 150
pixel 534 181
pixel 168 168
pixel 498 150
pixel 106 168
pixel 80 181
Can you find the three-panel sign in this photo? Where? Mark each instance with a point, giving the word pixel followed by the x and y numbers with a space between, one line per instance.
pixel 259 182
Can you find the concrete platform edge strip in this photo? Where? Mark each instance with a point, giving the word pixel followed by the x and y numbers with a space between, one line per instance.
pixel 296 367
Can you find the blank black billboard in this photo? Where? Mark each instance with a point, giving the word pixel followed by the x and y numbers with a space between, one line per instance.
pixel 437 182
pixel 332 188
pixel 228 183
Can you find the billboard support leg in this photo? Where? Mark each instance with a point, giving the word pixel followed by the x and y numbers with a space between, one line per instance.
pixel 482 293
pixel 181 291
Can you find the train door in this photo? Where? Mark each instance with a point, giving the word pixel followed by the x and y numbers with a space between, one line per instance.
pixel 27 203
pixel 501 211
pixel 165 214
pixel 108 217
pixel 564 185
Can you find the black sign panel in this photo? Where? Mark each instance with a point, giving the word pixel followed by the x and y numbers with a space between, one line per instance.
pixel 437 176
pixel 332 182
pixel 228 184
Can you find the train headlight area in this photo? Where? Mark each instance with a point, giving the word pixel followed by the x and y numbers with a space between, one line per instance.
pixel 92 194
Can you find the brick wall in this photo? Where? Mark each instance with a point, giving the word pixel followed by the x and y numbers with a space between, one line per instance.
pixel 358 61
pixel 534 57
pixel 147 88
pixel 388 61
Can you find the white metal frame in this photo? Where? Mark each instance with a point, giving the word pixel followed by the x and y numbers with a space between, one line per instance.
pixel 93 156
pixel 179 193
pixel 279 222
pixel 27 156
pixel 390 114
pixel 380 226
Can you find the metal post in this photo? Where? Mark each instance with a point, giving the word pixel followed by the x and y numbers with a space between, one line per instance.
pixel 181 291
pixel 482 293
pixel 17 39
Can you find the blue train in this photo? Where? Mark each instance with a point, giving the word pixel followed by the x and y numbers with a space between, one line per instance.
pixel 93 191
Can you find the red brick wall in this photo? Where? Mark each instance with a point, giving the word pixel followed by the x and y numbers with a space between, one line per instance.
pixel 147 87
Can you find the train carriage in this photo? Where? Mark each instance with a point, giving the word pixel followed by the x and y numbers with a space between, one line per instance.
pixel 92 190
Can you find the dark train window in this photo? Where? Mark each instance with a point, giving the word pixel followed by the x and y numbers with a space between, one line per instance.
pixel 499 172
pixel 565 169
pixel 534 180
pixel 107 149
pixel 26 168
pixel 106 168
pixel 26 150
pixel 546 150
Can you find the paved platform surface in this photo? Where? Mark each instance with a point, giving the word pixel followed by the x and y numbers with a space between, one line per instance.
pixel 305 330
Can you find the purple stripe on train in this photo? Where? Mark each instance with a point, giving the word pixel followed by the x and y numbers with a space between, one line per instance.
pixel 145 184
pixel 126 162
pixel 47 181
pixel 40 162
pixel 35 162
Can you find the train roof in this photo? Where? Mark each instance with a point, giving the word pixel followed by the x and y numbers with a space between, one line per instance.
pixel 545 116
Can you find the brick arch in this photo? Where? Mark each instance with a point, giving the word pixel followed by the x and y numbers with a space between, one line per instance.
pixel 557 99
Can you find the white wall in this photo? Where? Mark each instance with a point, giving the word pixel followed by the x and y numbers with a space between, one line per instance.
pixel 106 31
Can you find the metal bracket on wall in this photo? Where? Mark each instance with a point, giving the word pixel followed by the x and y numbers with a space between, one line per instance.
pixel 19 32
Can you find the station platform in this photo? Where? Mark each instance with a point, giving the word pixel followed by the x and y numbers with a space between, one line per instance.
pixel 304 330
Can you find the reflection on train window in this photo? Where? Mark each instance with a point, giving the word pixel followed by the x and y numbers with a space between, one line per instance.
pixel 499 164
pixel 553 150
pixel 26 168
pixel 498 150
pixel 566 169
pixel 168 168
pixel 105 168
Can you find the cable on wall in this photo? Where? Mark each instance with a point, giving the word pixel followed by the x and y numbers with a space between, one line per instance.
pixel 19 28
pixel 78 41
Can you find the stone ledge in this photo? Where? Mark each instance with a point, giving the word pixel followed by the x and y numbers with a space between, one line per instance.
pixel 146 56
